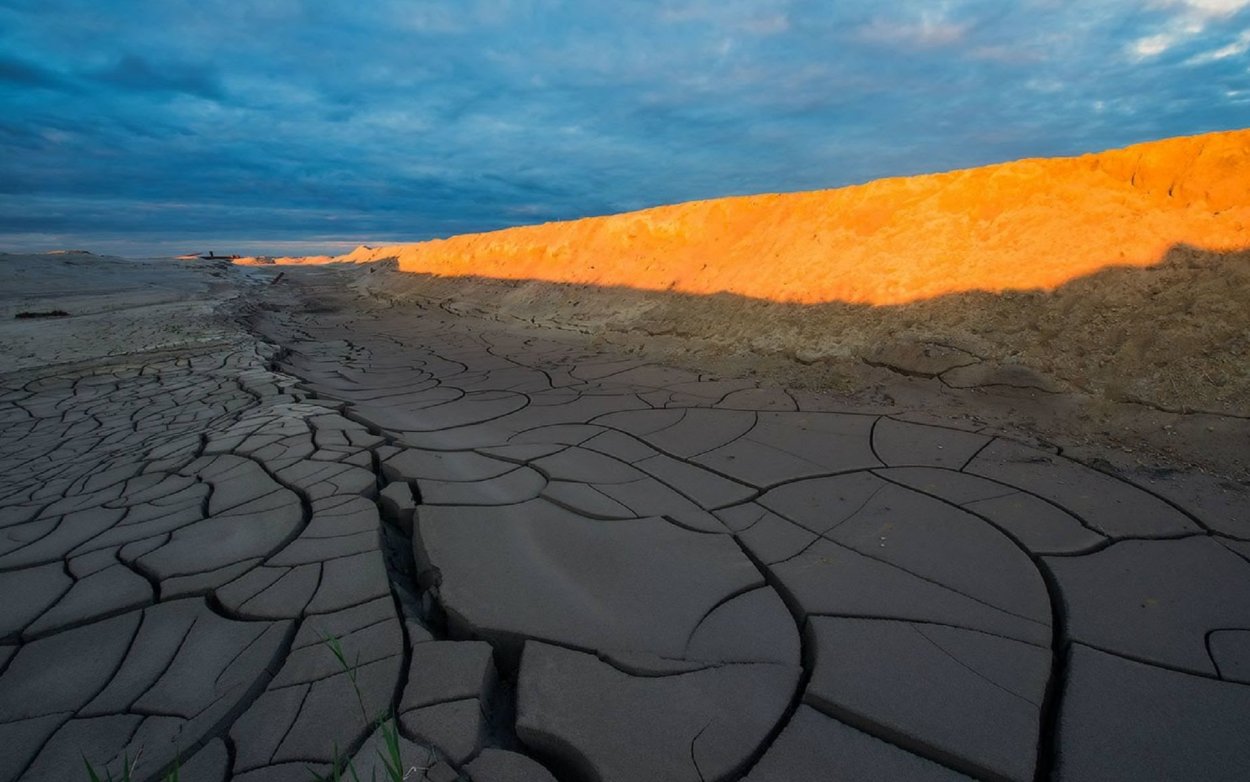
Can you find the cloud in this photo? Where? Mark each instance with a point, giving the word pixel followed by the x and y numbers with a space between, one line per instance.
pixel 728 17
pixel 1009 55
pixel 769 24
pixel 399 121
pixel 1206 9
pixel 1153 45
pixel 930 30
pixel 1235 49
pixel 24 73
pixel 1188 20
pixel 134 72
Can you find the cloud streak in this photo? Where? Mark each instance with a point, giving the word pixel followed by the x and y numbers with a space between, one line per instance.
pixel 395 120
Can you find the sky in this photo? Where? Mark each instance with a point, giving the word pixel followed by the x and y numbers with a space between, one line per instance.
pixel 288 127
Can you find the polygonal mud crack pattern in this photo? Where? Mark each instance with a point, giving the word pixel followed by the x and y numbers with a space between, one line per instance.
pixel 180 535
pixel 549 563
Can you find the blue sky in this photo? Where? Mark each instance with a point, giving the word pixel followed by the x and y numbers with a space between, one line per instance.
pixel 286 126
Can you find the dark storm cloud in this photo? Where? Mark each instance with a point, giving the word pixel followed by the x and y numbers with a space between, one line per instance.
pixel 135 73
pixel 21 73
pixel 144 122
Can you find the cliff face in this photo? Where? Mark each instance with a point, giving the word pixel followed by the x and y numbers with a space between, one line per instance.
pixel 1028 224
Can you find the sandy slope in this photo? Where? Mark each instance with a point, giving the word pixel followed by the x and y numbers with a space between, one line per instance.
pixel 1016 226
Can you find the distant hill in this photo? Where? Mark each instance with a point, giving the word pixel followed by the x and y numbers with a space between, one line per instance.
pixel 1028 224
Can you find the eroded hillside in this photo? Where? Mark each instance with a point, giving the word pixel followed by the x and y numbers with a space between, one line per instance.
pixel 1028 224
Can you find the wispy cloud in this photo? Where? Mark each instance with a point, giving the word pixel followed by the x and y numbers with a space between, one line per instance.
pixel 931 29
pixel 1235 49
pixel 1154 45
pixel 1186 21
pixel 288 121
pixel 1206 9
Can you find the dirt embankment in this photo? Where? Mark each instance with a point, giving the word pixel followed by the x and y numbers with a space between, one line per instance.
pixel 1175 336
pixel 1152 361
pixel 1112 289
pixel 1024 225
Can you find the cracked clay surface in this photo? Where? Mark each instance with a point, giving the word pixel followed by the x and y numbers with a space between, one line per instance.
pixel 551 563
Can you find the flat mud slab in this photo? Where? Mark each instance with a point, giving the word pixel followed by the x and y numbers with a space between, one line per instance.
pixel 527 557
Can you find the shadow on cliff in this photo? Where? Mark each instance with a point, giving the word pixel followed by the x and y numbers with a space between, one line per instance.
pixel 1173 335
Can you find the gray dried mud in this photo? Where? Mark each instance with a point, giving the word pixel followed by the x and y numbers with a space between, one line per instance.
pixel 553 555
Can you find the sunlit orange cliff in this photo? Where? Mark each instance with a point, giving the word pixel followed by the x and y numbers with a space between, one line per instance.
pixel 1027 224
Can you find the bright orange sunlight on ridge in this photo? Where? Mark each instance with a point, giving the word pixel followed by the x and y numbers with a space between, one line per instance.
pixel 1022 225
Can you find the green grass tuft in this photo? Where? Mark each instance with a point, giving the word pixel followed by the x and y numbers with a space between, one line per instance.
pixel 341 768
pixel 389 753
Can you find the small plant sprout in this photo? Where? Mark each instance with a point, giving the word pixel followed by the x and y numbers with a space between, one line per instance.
pixel 389 753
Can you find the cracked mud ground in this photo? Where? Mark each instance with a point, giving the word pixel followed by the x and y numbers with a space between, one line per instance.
pixel 552 563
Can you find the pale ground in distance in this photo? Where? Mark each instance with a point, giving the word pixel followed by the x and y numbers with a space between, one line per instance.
pixel 115 306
